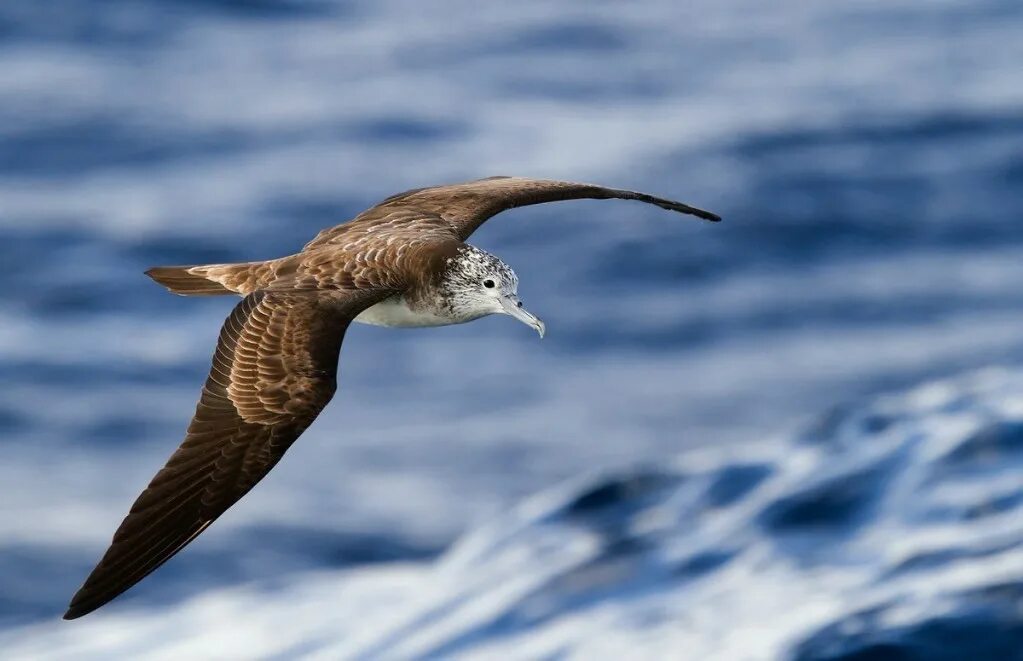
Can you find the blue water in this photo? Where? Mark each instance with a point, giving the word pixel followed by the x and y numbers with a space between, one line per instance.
pixel 867 158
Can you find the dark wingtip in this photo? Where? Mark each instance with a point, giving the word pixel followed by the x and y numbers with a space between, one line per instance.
pixel 692 211
pixel 75 613
pixel 83 603
pixel 670 205
pixel 706 215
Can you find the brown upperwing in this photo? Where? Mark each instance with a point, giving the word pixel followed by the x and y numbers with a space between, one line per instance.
pixel 274 370
pixel 468 205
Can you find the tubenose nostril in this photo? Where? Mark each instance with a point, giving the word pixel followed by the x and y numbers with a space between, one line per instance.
pixel 520 304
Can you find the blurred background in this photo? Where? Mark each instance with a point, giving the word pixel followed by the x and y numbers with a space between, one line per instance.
pixel 767 438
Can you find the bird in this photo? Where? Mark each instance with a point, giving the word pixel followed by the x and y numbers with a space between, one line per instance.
pixel 402 263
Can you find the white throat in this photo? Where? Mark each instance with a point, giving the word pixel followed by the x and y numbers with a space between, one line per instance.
pixel 395 312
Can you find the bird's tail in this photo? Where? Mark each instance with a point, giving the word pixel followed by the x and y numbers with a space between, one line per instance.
pixel 215 279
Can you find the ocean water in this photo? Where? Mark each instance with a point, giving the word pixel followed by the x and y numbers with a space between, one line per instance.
pixel 726 447
pixel 887 530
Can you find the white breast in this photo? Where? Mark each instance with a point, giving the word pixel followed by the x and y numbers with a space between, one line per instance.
pixel 395 312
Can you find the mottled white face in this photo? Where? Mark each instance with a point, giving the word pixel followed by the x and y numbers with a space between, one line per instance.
pixel 477 284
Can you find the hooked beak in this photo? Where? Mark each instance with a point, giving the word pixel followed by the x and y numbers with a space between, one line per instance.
pixel 512 306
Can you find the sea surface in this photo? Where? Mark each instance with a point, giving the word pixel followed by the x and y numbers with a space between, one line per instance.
pixel 796 434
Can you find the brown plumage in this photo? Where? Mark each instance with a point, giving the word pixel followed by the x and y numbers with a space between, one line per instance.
pixel 400 263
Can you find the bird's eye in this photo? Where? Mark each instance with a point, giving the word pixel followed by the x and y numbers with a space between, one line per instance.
pixel 489 284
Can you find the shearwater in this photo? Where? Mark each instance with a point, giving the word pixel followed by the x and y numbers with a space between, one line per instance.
pixel 403 262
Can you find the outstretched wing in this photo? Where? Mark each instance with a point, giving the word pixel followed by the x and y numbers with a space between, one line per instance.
pixel 468 205
pixel 274 370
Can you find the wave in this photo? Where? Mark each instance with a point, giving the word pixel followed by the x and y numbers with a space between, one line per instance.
pixel 889 529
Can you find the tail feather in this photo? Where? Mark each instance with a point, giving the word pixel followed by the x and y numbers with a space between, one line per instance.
pixel 186 281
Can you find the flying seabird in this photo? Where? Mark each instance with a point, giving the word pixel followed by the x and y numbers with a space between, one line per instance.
pixel 403 262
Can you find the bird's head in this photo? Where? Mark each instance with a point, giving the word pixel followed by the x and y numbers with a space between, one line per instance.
pixel 476 284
